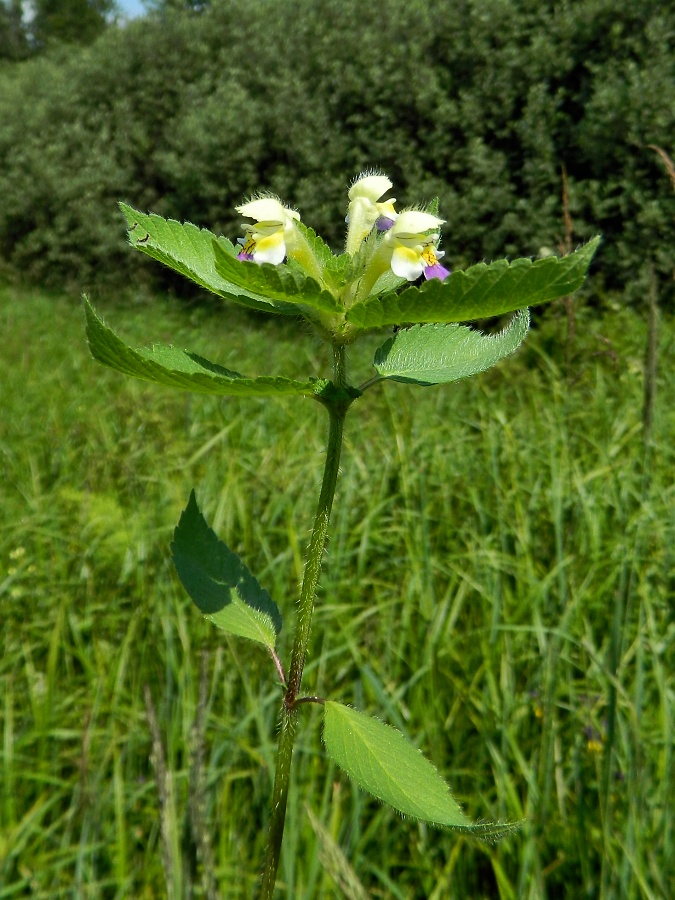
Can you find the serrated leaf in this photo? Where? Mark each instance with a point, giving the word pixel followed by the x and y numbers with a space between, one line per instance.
pixel 219 583
pixel 439 354
pixel 320 249
pixel 187 249
pixel 278 283
pixel 387 282
pixel 479 292
pixel 181 369
pixel 348 267
pixel 382 761
pixel 338 270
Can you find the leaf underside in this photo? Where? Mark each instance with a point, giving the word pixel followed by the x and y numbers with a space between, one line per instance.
pixel 438 354
pixel 219 583
pixel 382 761
pixel 185 370
pixel 479 292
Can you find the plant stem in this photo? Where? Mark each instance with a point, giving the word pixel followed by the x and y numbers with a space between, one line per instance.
pixel 289 713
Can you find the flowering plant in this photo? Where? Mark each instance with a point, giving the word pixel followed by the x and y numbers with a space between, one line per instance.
pixel 282 267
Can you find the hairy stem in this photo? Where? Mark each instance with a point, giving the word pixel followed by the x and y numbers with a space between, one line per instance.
pixel 289 713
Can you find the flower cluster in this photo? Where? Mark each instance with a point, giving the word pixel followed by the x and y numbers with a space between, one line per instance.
pixel 408 242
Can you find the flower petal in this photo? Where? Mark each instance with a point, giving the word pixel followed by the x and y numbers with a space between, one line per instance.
pixel 415 221
pixel 270 248
pixel 268 210
pixel 436 271
pixel 384 223
pixel 407 262
pixel 370 187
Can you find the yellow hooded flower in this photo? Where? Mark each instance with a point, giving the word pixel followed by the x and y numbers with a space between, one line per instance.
pixel 366 210
pixel 412 241
pixel 272 235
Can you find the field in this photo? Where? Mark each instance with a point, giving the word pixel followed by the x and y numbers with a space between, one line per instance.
pixel 499 585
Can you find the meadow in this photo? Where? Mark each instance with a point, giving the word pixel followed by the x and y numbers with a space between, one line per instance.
pixel 499 585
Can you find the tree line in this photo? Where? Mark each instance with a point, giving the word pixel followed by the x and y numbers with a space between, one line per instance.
pixel 481 103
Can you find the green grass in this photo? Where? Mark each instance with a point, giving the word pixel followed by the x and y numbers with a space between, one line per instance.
pixel 499 585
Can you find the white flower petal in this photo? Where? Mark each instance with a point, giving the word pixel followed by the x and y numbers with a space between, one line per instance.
pixel 272 253
pixel 268 210
pixel 413 220
pixel 407 263
pixel 370 187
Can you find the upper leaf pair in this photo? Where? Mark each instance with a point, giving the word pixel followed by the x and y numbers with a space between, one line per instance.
pixel 481 291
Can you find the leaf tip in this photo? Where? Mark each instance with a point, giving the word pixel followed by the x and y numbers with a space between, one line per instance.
pixel 493 832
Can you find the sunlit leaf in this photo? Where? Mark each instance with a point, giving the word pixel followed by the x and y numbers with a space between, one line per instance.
pixel 382 761
pixel 182 369
pixel 479 292
pixel 278 283
pixel 437 354
pixel 317 245
pixel 190 250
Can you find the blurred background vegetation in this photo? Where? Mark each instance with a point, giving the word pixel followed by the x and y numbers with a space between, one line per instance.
pixel 498 584
pixel 482 102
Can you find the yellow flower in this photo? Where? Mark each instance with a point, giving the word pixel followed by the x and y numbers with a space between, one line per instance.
pixel 273 234
pixel 412 241
pixel 367 210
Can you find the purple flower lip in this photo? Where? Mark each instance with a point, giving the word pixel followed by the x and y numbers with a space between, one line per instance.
pixel 384 223
pixel 245 257
pixel 436 271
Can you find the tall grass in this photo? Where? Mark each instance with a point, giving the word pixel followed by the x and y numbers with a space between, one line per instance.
pixel 499 585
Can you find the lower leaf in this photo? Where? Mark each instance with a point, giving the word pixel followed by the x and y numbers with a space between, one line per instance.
pixel 439 354
pixel 219 583
pixel 184 370
pixel 381 760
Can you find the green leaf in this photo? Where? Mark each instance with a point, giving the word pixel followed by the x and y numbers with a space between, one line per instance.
pixel 219 583
pixel 338 270
pixel 320 249
pixel 479 292
pixel 181 369
pixel 438 354
pixel 278 283
pixel 347 267
pixel 382 761
pixel 189 250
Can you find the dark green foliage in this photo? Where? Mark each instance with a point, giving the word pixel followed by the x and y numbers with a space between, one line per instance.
pixel 28 28
pixel 69 21
pixel 92 134
pixel 13 38
pixel 184 113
